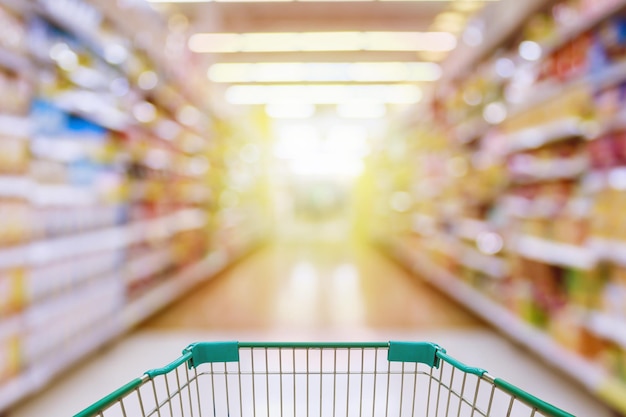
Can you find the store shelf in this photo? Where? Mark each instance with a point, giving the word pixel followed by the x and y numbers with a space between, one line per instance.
pixel 18 126
pixel 549 90
pixel 33 380
pixel 538 136
pixel 179 284
pixel 616 123
pixel 145 306
pixel 489 265
pixel 554 253
pixel 538 170
pixel 606 326
pixel 472 129
pixel 10 325
pixel 470 228
pixel 423 224
pixel 88 36
pixel 93 107
pixel 591 376
pixel 611 250
pixel 505 19
pixel 586 23
pixel 15 62
pixel 18 388
pixel 102 239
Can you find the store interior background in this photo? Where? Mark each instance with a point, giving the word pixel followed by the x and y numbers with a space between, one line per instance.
pixel 450 170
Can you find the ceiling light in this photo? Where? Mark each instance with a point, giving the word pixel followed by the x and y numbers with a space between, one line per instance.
pixel 215 42
pixel 324 72
pixel 361 110
pixel 323 94
pixel 290 111
pixel 409 41
pixel 321 41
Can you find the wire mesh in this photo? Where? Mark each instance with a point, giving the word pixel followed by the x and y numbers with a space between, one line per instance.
pixel 318 382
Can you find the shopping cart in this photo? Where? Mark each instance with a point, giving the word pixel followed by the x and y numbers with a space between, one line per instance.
pixel 395 379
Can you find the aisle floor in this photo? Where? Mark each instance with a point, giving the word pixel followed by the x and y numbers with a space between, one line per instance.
pixel 309 292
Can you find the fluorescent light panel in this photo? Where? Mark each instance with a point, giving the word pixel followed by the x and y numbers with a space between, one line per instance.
pixel 361 110
pixel 324 72
pixel 321 42
pixel 290 111
pixel 323 94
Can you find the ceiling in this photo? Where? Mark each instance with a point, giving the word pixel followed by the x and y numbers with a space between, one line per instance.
pixel 319 16
pixel 316 16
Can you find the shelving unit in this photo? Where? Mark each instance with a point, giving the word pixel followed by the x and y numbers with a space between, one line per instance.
pixel 531 161
pixel 110 200
pixel 589 375
pixel 554 253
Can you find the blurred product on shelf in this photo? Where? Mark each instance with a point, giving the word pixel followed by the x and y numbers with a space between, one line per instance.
pixel 107 188
pixel 517 189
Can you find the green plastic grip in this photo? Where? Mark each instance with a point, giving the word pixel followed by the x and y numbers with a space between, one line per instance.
pixel 211 352
pixel 418 352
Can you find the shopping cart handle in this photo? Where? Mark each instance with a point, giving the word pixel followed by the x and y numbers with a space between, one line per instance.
pixel 212 352
pixel 418 352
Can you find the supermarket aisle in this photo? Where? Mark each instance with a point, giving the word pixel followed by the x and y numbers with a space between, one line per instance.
pixel 305 292
pixel 316 286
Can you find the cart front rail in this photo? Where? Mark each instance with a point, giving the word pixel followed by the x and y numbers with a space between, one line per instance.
pixel 395 379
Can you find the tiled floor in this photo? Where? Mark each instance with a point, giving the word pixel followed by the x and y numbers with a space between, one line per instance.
pixel 309 292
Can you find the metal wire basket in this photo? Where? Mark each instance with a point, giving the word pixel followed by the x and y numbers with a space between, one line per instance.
pixel 395 379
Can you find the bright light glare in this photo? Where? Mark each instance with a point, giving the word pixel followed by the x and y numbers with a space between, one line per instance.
pixel 401 201
pixel 361 110
pixel 148 80
pixel 323 94
pixel 494 113
pixel 339 155
pixel 296 141
pixel 321 41
pixel 530 51
pixel 505 67
pixel 350 140
pixel 489 243
pixel 324 72
pixel 316 165
pixel 290 111
pixel 144 112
